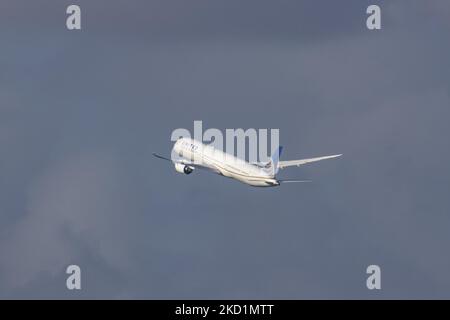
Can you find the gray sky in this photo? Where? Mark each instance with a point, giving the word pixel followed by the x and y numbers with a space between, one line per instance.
pixel 81 112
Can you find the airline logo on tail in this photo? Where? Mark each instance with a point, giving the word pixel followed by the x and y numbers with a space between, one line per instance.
pixel 272 167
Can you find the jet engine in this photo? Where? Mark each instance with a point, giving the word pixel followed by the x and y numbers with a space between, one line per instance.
pixel 181 168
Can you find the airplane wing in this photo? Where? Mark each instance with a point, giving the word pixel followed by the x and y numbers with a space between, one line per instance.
pixel 185 162
pixel 182 161
pixel 161 157
pixel 289 163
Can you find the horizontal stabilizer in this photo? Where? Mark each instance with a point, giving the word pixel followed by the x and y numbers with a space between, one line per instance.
pixel 292 181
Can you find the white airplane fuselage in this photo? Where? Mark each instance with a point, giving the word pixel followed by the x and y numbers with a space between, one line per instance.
pixel 222 163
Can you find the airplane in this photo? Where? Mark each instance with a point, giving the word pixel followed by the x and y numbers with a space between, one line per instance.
pixel 189 154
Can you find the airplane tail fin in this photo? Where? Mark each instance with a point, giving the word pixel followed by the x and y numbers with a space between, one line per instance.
pixel 274 160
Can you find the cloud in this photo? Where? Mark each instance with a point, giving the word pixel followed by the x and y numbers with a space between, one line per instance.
pixel 76 204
